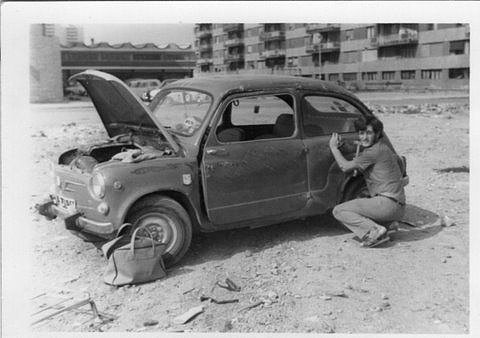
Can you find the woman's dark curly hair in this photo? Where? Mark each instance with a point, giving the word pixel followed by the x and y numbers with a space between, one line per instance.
pixel 362 123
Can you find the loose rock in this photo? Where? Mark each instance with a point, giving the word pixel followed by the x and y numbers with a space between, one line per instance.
pixel 150 322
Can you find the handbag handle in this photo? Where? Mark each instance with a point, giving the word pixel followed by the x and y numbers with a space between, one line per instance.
pixel 112 245
pixel 134 235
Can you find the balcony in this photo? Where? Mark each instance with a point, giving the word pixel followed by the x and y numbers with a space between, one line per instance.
pixel 204 34
pixel 233 57
pixel 331 46
pixel 402 38
pixel 322 27
pixel 233 42
pixel 274 35
pixel 312 48
pixel 231 27
pixel 204 61
pixel 205 47
pixel 269 54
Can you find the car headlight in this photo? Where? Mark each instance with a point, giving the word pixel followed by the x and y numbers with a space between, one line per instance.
pixel 97 185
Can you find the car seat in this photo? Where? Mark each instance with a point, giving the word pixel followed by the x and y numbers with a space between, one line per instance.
pixel 284 126
pixel 231 135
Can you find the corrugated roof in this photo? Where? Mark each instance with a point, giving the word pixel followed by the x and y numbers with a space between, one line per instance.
pixel 127 45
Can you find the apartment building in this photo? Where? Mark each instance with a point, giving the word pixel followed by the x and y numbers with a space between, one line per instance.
pixel 361 56
pixel 65 33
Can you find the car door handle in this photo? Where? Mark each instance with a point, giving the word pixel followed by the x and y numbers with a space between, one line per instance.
pixel 217 151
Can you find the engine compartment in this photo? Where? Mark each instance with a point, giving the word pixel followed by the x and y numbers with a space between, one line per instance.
pixel 122 148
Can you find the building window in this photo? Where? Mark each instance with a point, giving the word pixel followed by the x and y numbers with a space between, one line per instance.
pixel 370 32
pixel 431 74
pixel 407 75
pixel 249 49
pixel 349 76
pixel 349 34
pixel 457 47
pixel 408 52
pixel 369 76
pixel 459 73
pixel 333 77
pixel 388 75
pixel 430 27
pixel 349 57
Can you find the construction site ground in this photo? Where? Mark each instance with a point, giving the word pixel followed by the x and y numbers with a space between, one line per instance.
pixel 304 276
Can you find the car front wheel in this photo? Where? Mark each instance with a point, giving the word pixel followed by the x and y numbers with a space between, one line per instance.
pixel 168 223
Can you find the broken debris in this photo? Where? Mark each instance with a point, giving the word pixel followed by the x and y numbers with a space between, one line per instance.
pixel 229 285
pixel 213 300
pixel 189 315
pixel 150 322
pixel 254 305
pixel 341 294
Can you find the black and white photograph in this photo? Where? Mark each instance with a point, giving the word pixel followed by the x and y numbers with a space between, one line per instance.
pixel 245 167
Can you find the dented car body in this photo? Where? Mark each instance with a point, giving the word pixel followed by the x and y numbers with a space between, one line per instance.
pixel 207 154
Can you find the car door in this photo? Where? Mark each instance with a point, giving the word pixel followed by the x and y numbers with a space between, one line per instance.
pixel 323 115
pixel 254 163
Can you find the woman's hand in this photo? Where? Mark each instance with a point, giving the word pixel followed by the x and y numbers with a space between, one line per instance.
pixel 334 141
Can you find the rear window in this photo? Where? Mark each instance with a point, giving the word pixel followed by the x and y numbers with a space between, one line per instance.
pixel 324 115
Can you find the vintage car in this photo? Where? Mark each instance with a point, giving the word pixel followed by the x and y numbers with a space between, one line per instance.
pixel 249 151
pixel 74 88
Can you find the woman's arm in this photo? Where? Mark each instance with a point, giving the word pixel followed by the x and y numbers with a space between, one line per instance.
pixel 344 164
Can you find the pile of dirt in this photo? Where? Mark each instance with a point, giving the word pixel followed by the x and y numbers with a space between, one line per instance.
pixel 425 109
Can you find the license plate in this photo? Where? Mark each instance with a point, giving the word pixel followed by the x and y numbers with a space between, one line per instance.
pixel 67 204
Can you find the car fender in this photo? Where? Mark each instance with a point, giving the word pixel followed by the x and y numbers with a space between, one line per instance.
pixel 190 204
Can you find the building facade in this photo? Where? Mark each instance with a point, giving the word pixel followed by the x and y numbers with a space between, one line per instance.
pixel 362 56
pixel 65 33
pixel 45 63
pixel 127 61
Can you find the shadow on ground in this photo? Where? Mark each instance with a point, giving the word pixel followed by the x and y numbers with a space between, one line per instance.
pixel 224 244
pixel 418 224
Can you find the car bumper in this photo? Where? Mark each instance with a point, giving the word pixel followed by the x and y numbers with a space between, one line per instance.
pixel 75 221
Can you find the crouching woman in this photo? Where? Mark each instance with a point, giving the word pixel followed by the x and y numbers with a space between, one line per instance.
pixel 382 174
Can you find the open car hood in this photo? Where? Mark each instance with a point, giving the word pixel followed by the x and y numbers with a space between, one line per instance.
pixel 117 105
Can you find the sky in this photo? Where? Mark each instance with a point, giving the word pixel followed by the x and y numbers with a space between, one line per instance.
pixel 159 34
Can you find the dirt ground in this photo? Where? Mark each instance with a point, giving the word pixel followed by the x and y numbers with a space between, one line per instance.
pixel 311 275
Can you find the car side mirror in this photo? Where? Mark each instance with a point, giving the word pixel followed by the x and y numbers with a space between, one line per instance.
pixel 256 109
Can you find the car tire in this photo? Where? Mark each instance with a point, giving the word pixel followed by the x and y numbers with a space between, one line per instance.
pixel 168 222
pixel 355 189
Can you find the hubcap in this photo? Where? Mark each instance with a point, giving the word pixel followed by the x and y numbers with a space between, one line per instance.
pixel 161 227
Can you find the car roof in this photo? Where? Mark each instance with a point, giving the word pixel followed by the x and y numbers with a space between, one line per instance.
pixel 221 84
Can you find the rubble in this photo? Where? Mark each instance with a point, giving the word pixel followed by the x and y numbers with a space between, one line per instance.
pixel 189 315
pixel 298 247
pixel 150 322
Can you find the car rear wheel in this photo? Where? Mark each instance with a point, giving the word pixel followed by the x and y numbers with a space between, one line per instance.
pixel 355 189
pixel 167 221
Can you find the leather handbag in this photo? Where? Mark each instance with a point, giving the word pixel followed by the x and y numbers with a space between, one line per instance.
pixel 137 261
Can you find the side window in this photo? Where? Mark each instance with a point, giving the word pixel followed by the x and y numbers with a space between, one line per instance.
pixel 257 117
pixel 324 115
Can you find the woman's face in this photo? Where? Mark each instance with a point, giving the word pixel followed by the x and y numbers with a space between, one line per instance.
pixel 367 137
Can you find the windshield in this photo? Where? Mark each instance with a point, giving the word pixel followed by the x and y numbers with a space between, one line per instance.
pixel 181 111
